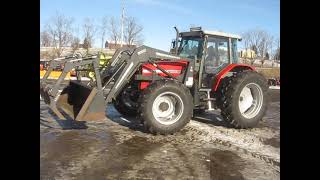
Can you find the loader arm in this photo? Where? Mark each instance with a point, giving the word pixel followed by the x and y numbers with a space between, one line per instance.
pixel 131 60
pixel 88 102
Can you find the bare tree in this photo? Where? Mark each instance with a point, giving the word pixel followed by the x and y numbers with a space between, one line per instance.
pixel 89 31
pixel 246 39
pixel 45 39
pixel 75 44
pixel 267 56
pixel 265 44
pixel 276 55
pixel 114 30
pixel 250 40
pixel 272 48
pixel 269 44
pixel 246 42
pixel 133 31
pixel 278 42
pixel 59 28
pixel 267 41
pixel 260 39
pixel 103 30
pixel 86 44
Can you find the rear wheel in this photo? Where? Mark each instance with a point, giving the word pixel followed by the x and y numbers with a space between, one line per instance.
pixel 166 107
pixel 244 101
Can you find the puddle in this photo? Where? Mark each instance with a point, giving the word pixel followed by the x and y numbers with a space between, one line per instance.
pixel 119 161
pixel 275 142
pixel 272 117
pixel 59 149
pixel 225 165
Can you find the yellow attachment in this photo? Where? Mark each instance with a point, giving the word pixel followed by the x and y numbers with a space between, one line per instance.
pixel 54 74
pixel 91 75
pixel 102 59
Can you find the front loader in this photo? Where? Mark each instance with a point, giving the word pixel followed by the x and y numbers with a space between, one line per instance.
pixel 164 90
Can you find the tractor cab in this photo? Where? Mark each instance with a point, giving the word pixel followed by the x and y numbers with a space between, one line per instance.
pixel 212 51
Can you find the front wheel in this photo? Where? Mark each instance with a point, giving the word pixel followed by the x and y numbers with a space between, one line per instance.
pixel 166 107
pixel 245 99
pixel 126 103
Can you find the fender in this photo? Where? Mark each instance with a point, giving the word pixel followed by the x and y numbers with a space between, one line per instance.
pixel 229 68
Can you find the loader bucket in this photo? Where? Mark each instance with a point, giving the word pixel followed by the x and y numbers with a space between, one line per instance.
pixel 81 102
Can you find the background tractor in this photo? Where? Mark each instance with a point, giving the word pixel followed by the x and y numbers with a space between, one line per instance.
pixel 164 90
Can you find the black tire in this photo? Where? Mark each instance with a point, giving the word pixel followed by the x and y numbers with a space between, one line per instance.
pixel 222 88
pixel 230 95
pixel 198 112
pixel 148 97
pixel 125 106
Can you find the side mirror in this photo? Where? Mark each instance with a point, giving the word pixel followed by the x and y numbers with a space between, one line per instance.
pixel 173 44
pixel 173 47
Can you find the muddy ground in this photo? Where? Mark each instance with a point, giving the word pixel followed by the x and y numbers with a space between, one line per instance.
pixel 118 148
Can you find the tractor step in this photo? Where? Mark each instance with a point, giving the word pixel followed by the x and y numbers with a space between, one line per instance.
pixel 205 90
pixel 208 99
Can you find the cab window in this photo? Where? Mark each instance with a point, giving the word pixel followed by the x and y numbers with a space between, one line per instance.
pixel 217 54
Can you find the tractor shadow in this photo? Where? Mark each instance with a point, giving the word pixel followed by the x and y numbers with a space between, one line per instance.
pixel 69 123
pixel 66 124
pixel 44 120
pixel 131 122
pixel 213 118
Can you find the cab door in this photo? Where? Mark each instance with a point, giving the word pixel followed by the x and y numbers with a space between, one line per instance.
pixel 217 56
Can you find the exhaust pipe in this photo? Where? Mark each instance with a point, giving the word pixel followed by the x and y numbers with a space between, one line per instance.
pixel 177 39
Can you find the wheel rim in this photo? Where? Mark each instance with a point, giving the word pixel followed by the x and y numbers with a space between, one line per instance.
pixel 250 100
pixel 167 108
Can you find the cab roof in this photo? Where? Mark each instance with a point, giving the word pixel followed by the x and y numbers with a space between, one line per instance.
pixel 223 34
pixel 198 31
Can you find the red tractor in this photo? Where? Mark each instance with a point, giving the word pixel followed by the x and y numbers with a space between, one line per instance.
pixel 164 89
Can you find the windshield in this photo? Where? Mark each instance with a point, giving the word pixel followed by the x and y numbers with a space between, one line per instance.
pixel 191 47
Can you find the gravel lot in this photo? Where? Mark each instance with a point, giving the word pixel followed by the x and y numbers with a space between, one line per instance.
pixel 118 148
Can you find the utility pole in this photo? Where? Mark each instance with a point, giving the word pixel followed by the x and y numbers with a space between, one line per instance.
pixel 122 23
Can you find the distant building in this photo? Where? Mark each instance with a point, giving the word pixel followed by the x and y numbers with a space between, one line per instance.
pixel 113 45
pixel 248 53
